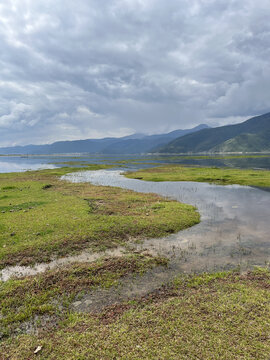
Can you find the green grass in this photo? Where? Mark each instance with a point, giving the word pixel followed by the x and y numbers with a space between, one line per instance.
pixel 41 216
pixel 51 293
pixel 222 176
pixel 221 316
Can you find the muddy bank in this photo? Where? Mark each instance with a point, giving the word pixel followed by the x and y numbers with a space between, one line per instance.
pixel 85 256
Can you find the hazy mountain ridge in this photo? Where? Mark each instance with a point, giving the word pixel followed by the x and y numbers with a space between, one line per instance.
pixel 250 135
pixel 148 142
pixel 132 144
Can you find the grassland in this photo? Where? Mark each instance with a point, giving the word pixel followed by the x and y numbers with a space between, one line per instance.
pixel 211 316
pixel 41 216
pixel 222 176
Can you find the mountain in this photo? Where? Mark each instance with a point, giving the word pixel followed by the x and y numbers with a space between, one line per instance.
pixel 132 144
pixel 251 135
pixel 247 143
pixel 147 143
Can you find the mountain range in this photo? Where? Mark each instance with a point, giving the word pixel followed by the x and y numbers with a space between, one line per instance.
pixel 252 135
pixel 132 144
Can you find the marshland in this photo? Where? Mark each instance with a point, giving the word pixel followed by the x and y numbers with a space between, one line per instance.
pixel 118 254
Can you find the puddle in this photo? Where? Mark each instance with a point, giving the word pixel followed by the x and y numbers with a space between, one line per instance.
pixel 85 256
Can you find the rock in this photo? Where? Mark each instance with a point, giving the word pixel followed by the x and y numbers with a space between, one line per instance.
pixel 38 349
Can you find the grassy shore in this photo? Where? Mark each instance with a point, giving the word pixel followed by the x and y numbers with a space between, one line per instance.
pixel 222 176
pixel 41 216
pixel 211 316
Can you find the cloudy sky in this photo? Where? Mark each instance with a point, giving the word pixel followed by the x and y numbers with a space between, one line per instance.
pixel 91 68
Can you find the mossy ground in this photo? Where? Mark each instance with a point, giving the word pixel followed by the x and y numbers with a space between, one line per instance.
pixel 51 293
pixel 210 316
pixel 222 176
pixel 41 216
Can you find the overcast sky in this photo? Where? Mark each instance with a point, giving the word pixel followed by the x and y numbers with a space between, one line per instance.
pixel 95 68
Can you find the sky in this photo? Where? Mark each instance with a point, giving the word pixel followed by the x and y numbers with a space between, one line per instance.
pixel 91 68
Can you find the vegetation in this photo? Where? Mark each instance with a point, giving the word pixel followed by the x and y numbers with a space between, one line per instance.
pixel 51 293
pixel 222 176
pixel 42 216
pixel 210 316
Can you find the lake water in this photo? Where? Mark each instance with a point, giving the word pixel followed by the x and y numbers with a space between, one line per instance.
pixel 24 163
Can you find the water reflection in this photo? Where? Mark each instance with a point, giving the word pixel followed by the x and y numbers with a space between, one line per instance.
pixel 21 166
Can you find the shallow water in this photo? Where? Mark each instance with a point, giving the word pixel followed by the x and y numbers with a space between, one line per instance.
pixel 234 228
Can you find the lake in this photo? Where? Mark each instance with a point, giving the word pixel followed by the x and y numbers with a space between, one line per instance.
pixel 36 162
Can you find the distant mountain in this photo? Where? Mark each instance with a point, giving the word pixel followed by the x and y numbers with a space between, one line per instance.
pixel 250 136
pixel 147 143
pixel 61 147
pixel 132 144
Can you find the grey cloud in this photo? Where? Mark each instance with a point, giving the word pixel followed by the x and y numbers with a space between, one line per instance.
pixel 96 68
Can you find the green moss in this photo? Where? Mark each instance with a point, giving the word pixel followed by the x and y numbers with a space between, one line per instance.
pixel 222 176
